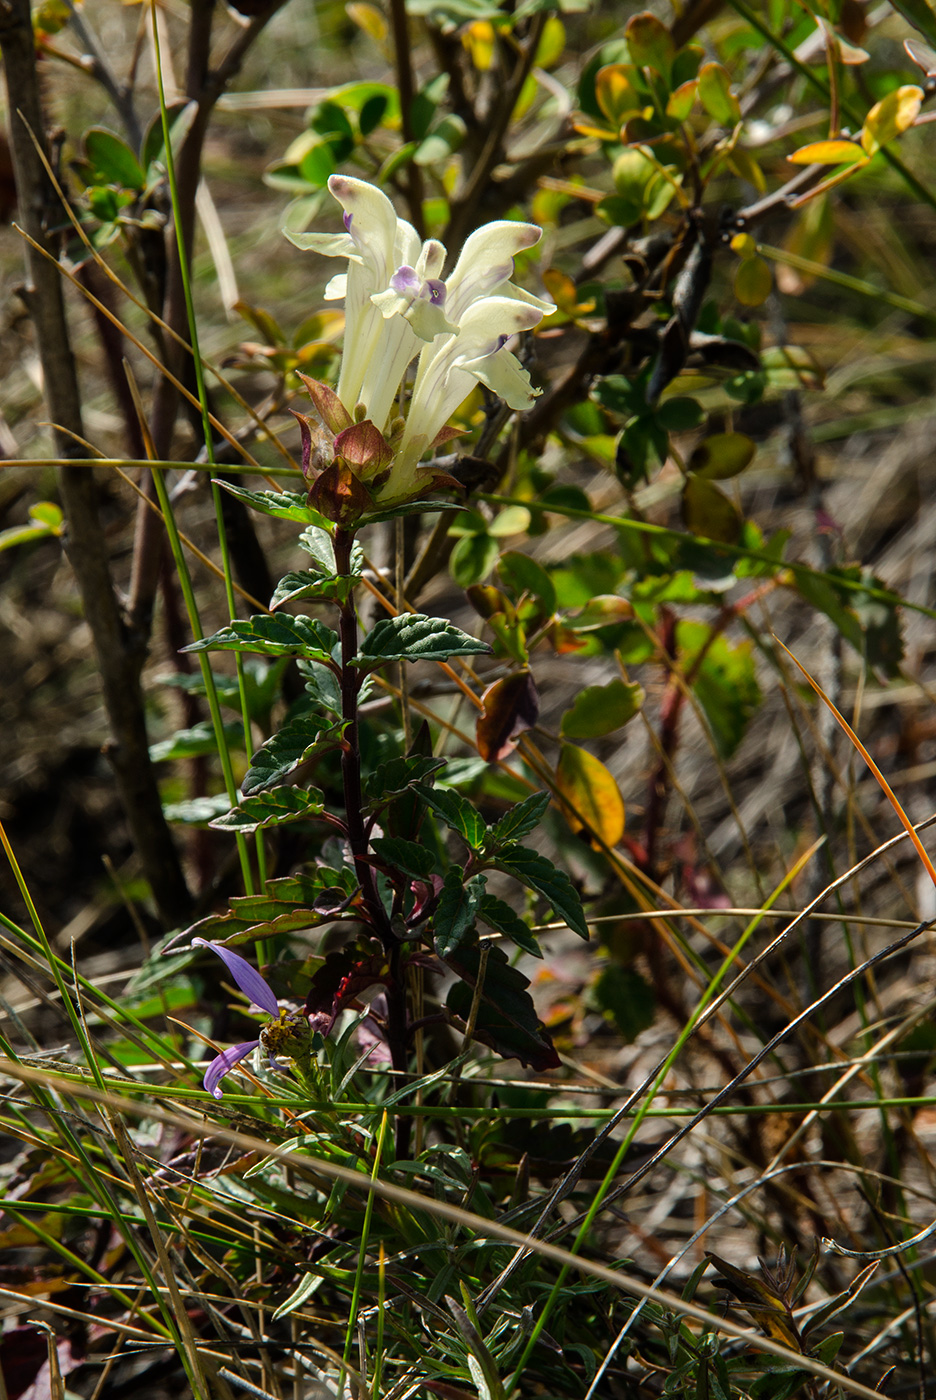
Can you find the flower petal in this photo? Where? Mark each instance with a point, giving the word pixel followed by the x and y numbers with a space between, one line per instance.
pixel 329 245
pixel 486 261
pixel 247 977
pixel 504 375
pixel 222 1064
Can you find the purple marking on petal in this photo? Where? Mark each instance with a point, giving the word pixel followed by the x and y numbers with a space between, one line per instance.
pixel 405 281
pixel 222 1064
pixel 247 978
pixel 436 291
pixel 501 342
pixel 346 220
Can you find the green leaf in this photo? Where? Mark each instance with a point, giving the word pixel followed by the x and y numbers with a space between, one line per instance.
pixel 650 43
pixel 626 998
pixel 112 160
pixel 871 626
pixel 497 914
pixel 414 637
pixel 507 1019
pixel 680 414
pixel 519 821
pixel 273 636
pixel 722 456
pixel 397 775
pixel 195 742
pixel 600 709
pixel 302 584
pixel 196 811
pixel 457 907
pixel 716 96
pixel 375 517
pixel 539 874
pixel 708 512
pixel 521 574
pixel 274 808
pixel 283 505
pixel 408 856
pixel 289 747
pixel 725 683
pixel 473 558
pixel 458 813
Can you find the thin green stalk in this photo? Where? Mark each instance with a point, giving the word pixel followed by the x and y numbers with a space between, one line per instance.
pixel 211 692
pixel 365 1236
pixel 209 446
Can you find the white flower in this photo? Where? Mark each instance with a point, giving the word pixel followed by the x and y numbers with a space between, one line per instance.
pixel 396 306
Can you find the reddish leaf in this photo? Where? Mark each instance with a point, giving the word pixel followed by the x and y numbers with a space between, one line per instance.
pixel 317 448
pixel 511 706
pixel 339 495
pixel 328 405
pixel 363 446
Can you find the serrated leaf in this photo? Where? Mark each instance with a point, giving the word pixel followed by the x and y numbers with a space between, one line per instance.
pixel 600 709
pixel 539 874
pixel 273 636
pixel 415 637
pixel 288 748
pixel 274 808
pixel 456 910
pixel 408 856
pixel 507 1019
pixel 301 584
pixel 458 813
pixel 397 775
pixel 520 820
pixel 283 505
pixel 591 790
pixel 498 914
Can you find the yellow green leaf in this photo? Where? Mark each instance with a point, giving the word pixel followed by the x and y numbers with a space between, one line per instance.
pixel 828 153
pixel 616 94
pixel 743 244
pixel 590 789
pixel 752 282
pixel 716 96
pixel 889 117
pixel 682 101
pixel 552 43
pixel 708 511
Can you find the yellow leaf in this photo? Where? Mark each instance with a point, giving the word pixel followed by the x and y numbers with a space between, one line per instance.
pixel 589 788
pixel 478 39
pixel 828 153
pixel 889 117
pixel 369 19
pixel 552 43
pixel 743 244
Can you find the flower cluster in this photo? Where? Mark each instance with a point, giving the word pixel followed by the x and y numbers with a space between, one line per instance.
pixel 398 307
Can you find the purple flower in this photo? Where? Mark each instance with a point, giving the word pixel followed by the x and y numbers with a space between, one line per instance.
pixel 260 993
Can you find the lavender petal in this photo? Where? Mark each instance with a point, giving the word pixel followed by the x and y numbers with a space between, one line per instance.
pixel 222 1064
pixel 247 978
pixel 405 281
